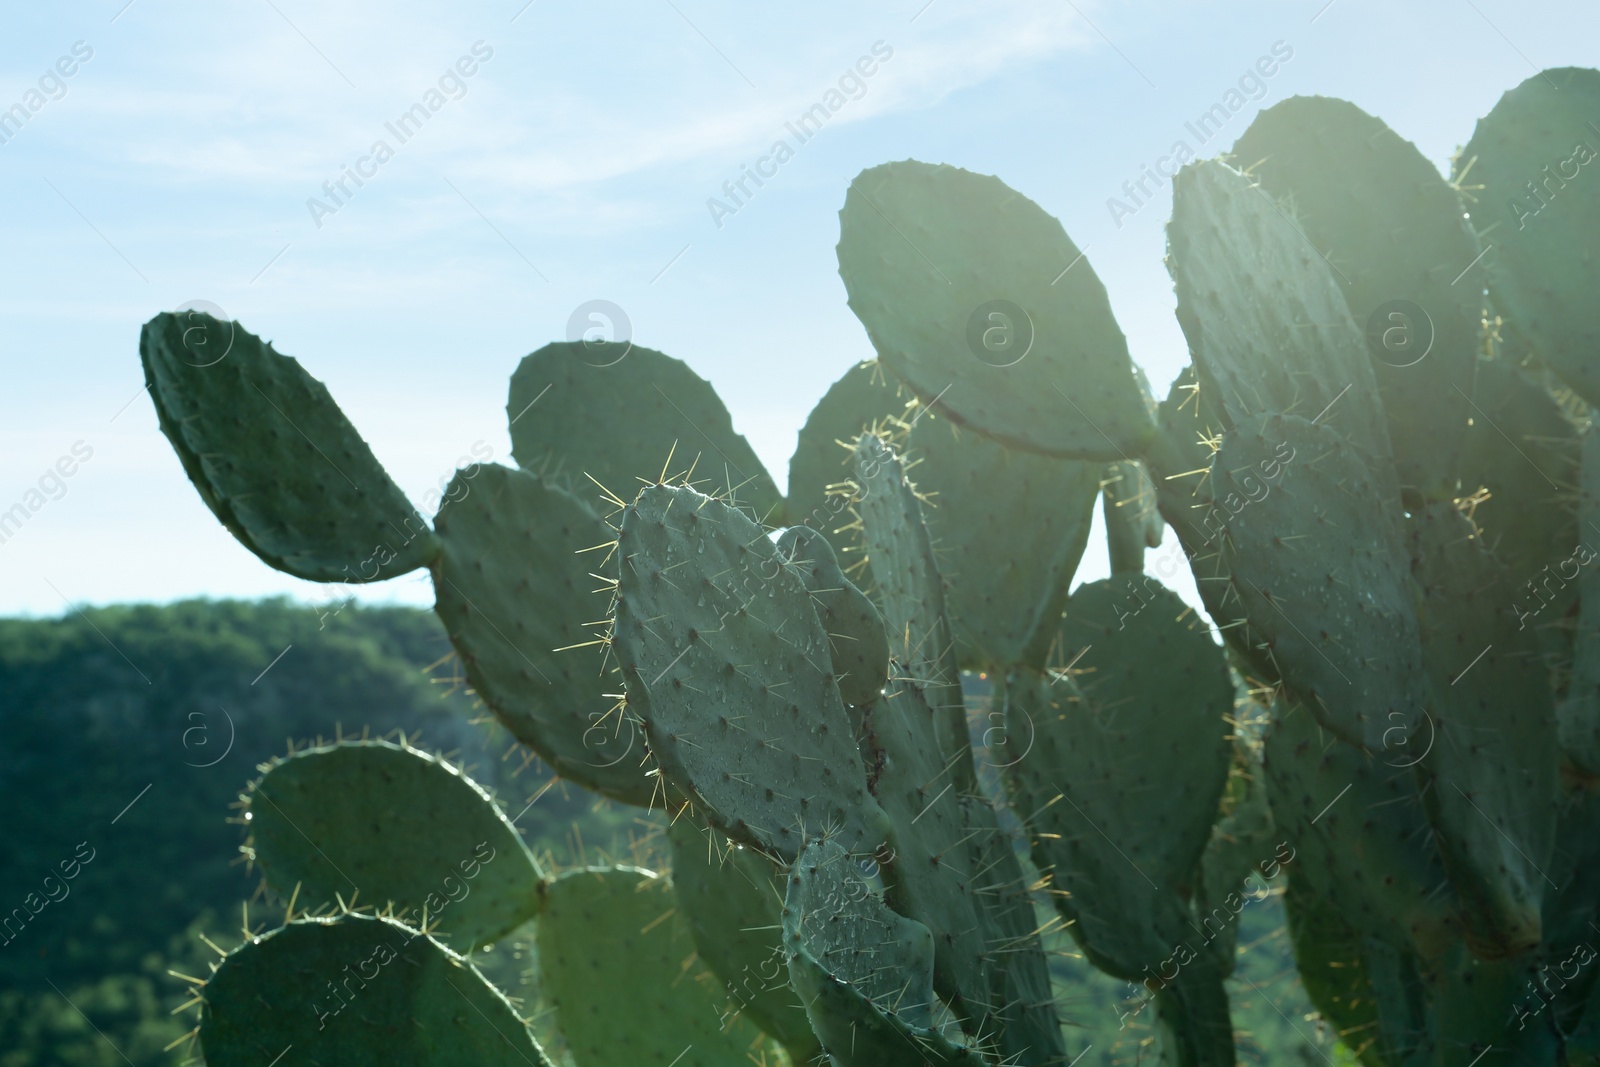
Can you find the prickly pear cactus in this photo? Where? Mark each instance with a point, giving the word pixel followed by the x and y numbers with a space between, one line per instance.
pixel 1394 553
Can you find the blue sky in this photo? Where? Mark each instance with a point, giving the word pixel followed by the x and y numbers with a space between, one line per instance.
pixel 575 163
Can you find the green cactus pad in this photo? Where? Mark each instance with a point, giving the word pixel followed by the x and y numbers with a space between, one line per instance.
pixel 1032 1031
pixel 1528 170
pixel 1578 716
pixel 911 592
pixel 1375 206
pixel 1120 872
pixel 515 587
pixel 1101 757
pixel 833 912
pixel 1475 1011
pixel 855 629
pixel 732 900
pixel 862 971
pixel 618 965
pixel 361 991
pixel 1267 324
pixel 855 1032
pixel 1492 773
pixel 1192 1012
pixel 1190 429
pixel 1327 954
pixel 948 870
pixel 397 826
pixel 1525 452
pixel 617 412
pixel 930 877
pixel 1360 832
pixel 1317 560
pixel 1243 856
pixel 976 298
pixel 273 456
pixel 728 665
pixel 1009 528
pixel 861 400
pixel 1133 522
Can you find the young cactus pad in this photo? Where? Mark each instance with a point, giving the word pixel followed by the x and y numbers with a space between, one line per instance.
pixel 862 971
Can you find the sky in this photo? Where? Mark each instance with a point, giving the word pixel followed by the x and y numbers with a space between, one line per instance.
pixel 194 151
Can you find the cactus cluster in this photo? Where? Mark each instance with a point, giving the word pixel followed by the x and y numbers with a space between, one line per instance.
pixel 1381 467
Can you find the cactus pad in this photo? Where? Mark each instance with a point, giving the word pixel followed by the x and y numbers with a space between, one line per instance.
pixel 930 876
pixel 617 963
pixel 1360 832
pixel 1529 171
pixel 1317 560
pixel 732 900
pixel 397 826
pixel 834 912
pixel 1101 756
pixel 861 971
pixel 616 412
pixel 866 396
pixel 1009 529
pixel 1267 324
pixel 357 990
pixel 1327 953
pixel 975 297
pixel 1133 522
pixel 911 592
pixel 515 588
pixel 1525 452
pixel 1380 211
pixel 855 629
pixel 727 663
pixel 273 456
pixel 1493 770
